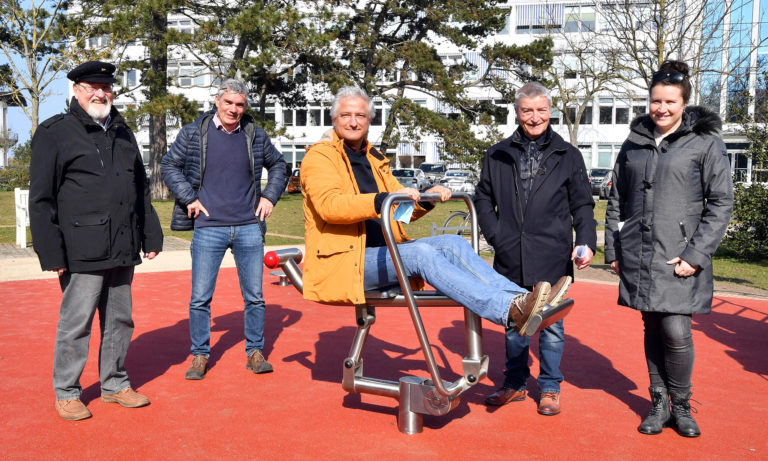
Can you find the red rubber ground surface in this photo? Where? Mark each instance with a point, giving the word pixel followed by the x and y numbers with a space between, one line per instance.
pixel 301 411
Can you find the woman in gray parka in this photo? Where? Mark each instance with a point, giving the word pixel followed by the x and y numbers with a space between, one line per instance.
pixel 669 207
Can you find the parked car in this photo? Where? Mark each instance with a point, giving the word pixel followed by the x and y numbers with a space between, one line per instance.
pixel 596 177
pixel 294 182
pixel 411 177
pixel 605 186
pixel 434 172
pixel 459 181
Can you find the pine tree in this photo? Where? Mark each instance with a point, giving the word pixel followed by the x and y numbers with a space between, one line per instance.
pixel 388 46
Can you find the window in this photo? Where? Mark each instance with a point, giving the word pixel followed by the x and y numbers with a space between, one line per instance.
pixel 586 116
pixel 579 18
pixel 586 152
pixel 184 26
pixel 606 111
pixel 622 112
pixel 639 107
pixel 127 79
pixel 314 118
pixel 287 117
pixel 604 156
pixel 301 117
pixel 327 121
pixel 98 42
pixel 554 116
pixel 539 19
pixel 186 74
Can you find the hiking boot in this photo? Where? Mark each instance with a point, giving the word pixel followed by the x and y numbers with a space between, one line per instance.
pixel 549 404
pixel 523 311
pixel 659 416
pixel 72 410
pixel 198 368
pixel 558 291
pixel 257 363
pixel 127 398
pixel 505 395
pixel 681 413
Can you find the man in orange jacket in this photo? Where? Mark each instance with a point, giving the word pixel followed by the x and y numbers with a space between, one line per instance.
pixel 344 182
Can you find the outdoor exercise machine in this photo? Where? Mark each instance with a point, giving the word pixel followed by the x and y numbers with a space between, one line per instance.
pixel 416 396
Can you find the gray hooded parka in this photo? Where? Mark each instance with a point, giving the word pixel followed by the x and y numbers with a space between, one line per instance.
pixel 668 201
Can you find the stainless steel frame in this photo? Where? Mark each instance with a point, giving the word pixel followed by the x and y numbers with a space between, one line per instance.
pixel 416 396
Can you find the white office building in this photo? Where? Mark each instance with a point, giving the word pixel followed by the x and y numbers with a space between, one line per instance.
pixel 603 128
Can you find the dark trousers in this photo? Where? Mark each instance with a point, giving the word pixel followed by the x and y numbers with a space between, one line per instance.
pixel 669 350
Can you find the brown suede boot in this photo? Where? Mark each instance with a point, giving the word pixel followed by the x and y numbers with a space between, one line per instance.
pixel 198 368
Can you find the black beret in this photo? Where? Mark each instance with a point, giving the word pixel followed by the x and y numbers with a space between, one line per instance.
pixel 93 71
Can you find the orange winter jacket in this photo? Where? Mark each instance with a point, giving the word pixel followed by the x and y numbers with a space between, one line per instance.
pixel 334 218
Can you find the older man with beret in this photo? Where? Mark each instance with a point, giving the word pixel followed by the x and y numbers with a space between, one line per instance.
pixel 91 216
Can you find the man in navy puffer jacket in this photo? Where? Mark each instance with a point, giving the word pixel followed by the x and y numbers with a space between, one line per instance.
pixel 214 170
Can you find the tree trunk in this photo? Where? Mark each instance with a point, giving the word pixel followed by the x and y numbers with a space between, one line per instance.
pixel 158 90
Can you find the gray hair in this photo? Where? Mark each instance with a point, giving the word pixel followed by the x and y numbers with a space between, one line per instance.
pixel 532 90
pixel 351 92
pixel 233 85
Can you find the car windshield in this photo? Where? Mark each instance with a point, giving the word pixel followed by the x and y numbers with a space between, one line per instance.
pixel 599 173
pixel 430 168
pixel 403 173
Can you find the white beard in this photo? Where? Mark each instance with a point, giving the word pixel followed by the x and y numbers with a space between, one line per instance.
pixel 99 111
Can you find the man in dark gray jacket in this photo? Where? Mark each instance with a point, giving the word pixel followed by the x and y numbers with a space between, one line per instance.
pixel 91 215
pixel 533 192
pixel 214 170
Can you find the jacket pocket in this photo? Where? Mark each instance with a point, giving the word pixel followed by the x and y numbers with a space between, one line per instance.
pixel 337 239
pixel 89 237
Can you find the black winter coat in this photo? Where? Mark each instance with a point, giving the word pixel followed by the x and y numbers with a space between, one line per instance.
pixel 184 165
pixel 89 201
pixel 533 242
pixel 669 201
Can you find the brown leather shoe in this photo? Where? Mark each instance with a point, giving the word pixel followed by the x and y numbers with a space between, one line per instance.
pixel 257 363
pixel 505 395
pixel 127 398
pixel 198 368
pixel 72 410
pixel 558 291
pixel 549 404
pixel 525 306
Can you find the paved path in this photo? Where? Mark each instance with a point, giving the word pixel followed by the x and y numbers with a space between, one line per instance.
pixel 22 264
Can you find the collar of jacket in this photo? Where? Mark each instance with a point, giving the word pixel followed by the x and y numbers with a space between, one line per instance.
pixel 339 144
pixel 78 112
pixel 696 119
pixel 553 142
pixel 203 120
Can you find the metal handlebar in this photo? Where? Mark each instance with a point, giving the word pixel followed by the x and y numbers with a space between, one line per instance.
pixel 474 344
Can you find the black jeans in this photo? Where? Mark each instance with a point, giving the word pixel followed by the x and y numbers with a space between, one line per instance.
pixel 669 350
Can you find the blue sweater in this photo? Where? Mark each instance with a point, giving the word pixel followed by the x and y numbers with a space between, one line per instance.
pixel 227 191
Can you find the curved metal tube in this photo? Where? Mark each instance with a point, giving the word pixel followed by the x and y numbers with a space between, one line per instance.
pixel 473 344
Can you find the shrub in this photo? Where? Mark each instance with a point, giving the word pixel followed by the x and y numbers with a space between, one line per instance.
pixel 748 234
pixel 13 177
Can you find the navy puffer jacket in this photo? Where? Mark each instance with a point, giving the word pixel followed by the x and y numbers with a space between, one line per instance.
pixel 183 166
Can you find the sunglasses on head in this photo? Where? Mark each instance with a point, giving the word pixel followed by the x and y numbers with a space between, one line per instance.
pixel 672 77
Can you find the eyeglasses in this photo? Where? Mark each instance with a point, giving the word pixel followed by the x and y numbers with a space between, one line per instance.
pixel 672 77
pixel 93 89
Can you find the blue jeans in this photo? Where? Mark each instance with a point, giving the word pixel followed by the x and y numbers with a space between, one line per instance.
pixel 448 263
pixel 208 247
pixel 551 345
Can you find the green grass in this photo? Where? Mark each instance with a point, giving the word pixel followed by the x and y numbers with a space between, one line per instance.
pixel 288 220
